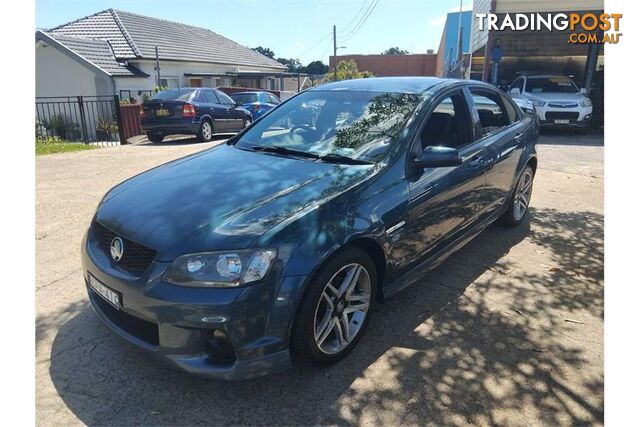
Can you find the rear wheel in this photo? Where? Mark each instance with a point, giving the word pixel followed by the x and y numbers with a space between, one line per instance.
pixel 519 202
pixel 246 122
pixel 335 308
pixel 206 131
pixel 155 137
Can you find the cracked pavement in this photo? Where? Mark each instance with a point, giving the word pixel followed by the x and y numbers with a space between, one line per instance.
pixel 509 330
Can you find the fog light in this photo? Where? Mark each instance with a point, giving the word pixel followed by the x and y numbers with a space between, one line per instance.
pixel 218 347
pixel 219 334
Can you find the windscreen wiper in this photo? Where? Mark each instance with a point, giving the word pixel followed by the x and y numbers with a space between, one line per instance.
pixel 337 158
pixel 278 149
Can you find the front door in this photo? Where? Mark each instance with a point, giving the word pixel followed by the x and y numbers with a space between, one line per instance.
pixel 445 202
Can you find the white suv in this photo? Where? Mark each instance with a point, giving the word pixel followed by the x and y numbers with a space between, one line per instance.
pixel 557 99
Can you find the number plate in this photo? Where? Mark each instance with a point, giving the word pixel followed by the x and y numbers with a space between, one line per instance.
pixel 562 122
pixel 111 296
pixel 162 112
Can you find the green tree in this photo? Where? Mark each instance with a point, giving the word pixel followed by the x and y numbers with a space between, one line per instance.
pixel 347 70
pixel 316 67
pixel 395 51
pixel 264 51
pixel 293 65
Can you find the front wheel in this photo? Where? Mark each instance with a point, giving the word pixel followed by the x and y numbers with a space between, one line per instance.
pixel 519 202
pixel 335 308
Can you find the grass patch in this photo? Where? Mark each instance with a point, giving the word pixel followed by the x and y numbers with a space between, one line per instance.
pixel 61 147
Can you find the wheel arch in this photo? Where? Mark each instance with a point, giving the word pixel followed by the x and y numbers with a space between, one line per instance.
pixel 377 254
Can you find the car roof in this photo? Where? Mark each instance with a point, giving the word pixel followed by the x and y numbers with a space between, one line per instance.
pixel 546 76
pixel 383 84
pixel 250 92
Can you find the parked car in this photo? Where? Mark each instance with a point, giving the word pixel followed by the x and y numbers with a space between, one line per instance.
pixel 557 99
pixel 275 245
pixel 257 103
pixel 193 111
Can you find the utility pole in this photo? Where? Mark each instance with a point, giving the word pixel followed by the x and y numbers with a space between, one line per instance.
pixel 157 69
pixel 335 55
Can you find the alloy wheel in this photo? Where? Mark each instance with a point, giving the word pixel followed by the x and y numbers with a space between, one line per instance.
pixel 523 195
pixel 342 308
pixel 206 130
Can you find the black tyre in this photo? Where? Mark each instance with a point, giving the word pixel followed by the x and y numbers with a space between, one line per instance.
pixel 155 137
pixel 335 308
pixel 519 201
pixel 205 133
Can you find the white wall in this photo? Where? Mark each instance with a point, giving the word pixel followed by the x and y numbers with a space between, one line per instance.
pixel 178 69
pixel 59 75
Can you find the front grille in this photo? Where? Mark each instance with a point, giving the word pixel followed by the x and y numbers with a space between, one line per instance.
pixel 562 115
pixel 558 105
pixel 135 259
pixel 139 328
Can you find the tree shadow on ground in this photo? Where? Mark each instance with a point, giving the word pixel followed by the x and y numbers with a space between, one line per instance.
pixel 442 352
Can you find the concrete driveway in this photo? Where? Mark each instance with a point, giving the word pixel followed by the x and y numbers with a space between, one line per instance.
pixel 508 331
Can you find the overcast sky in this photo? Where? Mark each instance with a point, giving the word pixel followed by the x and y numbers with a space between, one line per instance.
pixel 291 28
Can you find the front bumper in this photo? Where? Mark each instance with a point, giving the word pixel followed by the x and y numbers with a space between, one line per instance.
pixel 564 117
pixel 177 323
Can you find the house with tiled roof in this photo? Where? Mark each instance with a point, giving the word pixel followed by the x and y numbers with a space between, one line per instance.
pixel 117 52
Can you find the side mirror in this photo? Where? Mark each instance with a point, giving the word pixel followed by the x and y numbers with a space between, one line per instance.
pixel 583 91
pixel 514 91
pixel 438 157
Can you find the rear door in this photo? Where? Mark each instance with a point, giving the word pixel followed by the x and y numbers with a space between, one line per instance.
pixel 235 115
pixel 498 126
pixel 216 111
pixel 445 202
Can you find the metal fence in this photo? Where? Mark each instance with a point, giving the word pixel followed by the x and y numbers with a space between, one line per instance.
pixel 79 118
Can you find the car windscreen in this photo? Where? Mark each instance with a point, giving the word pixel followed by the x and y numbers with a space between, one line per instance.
pixel 175 94
pixel 550 85
pixel 358 125
pixel 245 98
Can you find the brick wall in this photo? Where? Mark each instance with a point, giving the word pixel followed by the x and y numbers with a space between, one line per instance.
pixel 393 65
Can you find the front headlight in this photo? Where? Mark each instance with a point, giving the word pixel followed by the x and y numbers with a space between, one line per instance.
pixel 585 103
pixel 537 103
pixel 225 269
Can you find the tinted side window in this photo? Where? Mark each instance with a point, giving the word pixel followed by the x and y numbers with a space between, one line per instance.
pixel 447 124
pixel 210 97
pixel 273 99
pixel 492 114
pixel 224 98
pixel 512 113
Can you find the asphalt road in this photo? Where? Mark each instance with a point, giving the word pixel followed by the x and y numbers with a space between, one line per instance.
pixel 507 331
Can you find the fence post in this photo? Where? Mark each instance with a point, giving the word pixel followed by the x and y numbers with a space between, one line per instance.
pixel 116 100
pixel 83 120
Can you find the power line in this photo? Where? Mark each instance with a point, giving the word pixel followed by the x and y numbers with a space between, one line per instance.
pixel 346 28
pixel 362 22
pixel 350 32
pixel 313 45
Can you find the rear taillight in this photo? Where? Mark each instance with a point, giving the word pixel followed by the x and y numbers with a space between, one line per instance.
pixel 141 112
pixel 188 110
pixel 255 107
